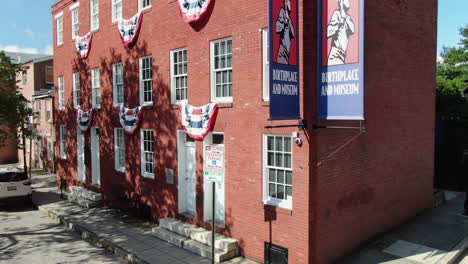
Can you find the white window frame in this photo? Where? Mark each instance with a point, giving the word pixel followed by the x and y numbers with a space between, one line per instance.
pixel 59 23
pixel 116 5
pixel 39 109
pixel 96 88
pixel 75 20
pixel 63 138
pixel 76 90
pixel 119 148
pixel 94 14
pixel 283 203
pixel 179 76
pixel 145 81
pixel 141 2
pixel 146 150
pixel 61 93
pixel 118 87
pixel 213 72
pixel 266 64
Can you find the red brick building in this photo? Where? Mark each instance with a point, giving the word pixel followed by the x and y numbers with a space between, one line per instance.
pixel 336 191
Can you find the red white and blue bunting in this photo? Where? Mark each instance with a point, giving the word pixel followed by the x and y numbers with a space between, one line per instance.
pixel 193 10
pixel 84 119
pixel 130 28
pixel 83 44
pixel 130 118
pixel 198 121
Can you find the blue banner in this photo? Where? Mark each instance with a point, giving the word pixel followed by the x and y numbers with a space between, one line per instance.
pixel 340 88
pixel 284 59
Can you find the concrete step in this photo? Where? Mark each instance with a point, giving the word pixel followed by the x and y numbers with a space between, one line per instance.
pixel 205 251
pixel 84 193
pixel 199 234
pixel 240 260
pixel 169 236
pixel 83 202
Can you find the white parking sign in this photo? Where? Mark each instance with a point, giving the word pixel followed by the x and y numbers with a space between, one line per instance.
pixel 214 163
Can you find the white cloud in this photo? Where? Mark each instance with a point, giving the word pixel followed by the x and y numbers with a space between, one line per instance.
pixel 29 33
pixel 48 50
pixel 14 48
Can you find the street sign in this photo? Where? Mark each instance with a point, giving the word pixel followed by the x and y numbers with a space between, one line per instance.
pixel 214 163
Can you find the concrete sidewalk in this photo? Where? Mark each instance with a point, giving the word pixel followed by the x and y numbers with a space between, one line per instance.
pixel 437 236
pixel 127 237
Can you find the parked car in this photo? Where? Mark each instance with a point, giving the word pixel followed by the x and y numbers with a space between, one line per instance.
pixel 15 185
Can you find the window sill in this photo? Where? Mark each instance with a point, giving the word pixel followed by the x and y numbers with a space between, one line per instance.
pixel 60 45
pixel 120 171
pixel 147 105
pixel 175 106
pixel 118 105
pixel 148 177
pixel 225 105
pixel 145 9
pixel 281 207
pixel 265 103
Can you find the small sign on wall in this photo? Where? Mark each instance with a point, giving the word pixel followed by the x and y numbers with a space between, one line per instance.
pixel 169 176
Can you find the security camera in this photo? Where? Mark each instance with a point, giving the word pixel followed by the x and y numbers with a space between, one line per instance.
pixel 298 141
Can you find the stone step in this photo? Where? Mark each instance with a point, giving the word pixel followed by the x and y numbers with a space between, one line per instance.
pixel 85 193
pixel 199 234
pixel 205 251
pixel 83 202
pixel 169 236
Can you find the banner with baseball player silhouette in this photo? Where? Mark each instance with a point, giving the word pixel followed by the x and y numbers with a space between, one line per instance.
pixel 340 87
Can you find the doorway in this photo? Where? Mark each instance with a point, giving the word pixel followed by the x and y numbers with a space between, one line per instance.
pixel 187 174
pixel 95 157
pixel 81 156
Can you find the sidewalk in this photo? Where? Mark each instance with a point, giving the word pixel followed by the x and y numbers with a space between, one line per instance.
pixel 438 236
pixel 124 236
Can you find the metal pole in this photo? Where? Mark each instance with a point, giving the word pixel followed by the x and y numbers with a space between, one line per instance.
pixel 213 226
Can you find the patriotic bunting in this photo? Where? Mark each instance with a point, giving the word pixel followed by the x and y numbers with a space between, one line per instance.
pixel 130 118
pixel 130 28
pixel 193 10
pixel 198 121
pixel 84 119
pixel 83 44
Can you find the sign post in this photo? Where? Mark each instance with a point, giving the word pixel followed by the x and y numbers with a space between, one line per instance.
pixel 214 172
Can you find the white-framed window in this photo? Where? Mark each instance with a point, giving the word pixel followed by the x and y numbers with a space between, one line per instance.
pixel 277 170
pixel 61 93
pixel 117 83
pixel 221 70
pixel 49 153
pixel 178 75
pixel 96 88
pixel 116 10
pixel 63 138
pixel 75 24
pixel 94 13
pixel 38 108
pixel 24 77
pixel 142 4
pixel 147 153
pixel 266 65
pixel 59 19
pixel 146 80
pixel 119 147
pixel 47 110
pixel 76 89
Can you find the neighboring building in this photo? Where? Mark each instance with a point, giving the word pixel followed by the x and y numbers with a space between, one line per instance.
pixel 333 193
pixel 36 83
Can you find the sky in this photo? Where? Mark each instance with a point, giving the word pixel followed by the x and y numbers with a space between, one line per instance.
pixel 28 24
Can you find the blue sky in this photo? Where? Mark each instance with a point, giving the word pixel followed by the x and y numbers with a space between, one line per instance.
pixel 28 24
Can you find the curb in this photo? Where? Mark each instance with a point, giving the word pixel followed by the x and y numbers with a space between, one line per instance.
pixel 92 237
pixel 452 256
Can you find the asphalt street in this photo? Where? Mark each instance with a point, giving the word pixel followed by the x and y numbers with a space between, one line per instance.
pixel 27 236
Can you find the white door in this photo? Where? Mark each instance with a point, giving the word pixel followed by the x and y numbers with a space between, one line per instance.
pixel 187 174
pixel 81 156
pixel 95 157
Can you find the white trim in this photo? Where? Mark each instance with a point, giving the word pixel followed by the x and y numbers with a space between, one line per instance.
pixel 114 84
pixel 145 174
pixel 227 99
pixel 141 86
pixel 113 18
pixel 140 4
pixel 96 86
pixel 265 65
pixel 172 76
pixel 76 89
pixel 63 142
pixel 116 149
pixel 59 30
pixel 61 92
pixel 75 5
pixel 91 15
pixel 72 16
pixel 59 15
pixel 342 118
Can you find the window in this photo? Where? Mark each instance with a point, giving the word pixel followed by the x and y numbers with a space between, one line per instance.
pixel 24 77
pixel 47 109
pixel 119 143
pixel 146 80
pixel 179 75
pixel 221 70
pixel 75 27
pixel 117 83
pixel 38 109
pixel 94 12
pixel 277 163
pixel 49 74
pixel 49 154
pixel 116 10
pixel 61 93
pixel 143 4
pixel 266 65
pixel 63 153
pixel 76 89
pixel 147 153
pixel 95 88
pixel 59 19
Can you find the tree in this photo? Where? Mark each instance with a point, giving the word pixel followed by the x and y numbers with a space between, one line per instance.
pixel 14 109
